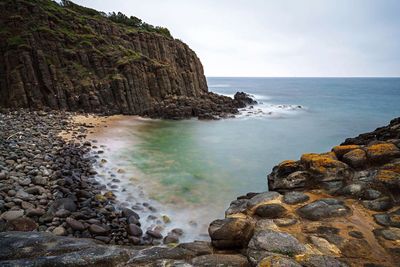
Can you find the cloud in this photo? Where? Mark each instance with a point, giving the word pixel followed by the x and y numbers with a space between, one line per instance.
pixel 279 38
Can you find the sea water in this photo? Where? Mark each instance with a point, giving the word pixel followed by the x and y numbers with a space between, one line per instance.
pixel 191 170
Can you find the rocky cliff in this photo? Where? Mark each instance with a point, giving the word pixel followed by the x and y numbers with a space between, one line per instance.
pixel 64 56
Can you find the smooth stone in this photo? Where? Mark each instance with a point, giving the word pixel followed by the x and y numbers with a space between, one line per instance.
pixel 356 158
pixel 270 211
pixel 12 215
pixel 62 213
pixel 154 233
pixel 59 231
pixel 128 213
pixel 35 212
pixel 75 225
pixel 97 230
pixel 171 239
pixel 237 206
pixel 295 197
pixel 134 230
pixel 25 182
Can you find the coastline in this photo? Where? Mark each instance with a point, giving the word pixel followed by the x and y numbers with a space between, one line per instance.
pixel 334 209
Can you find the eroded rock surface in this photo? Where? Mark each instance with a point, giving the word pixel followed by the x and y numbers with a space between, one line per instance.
pixel 339 208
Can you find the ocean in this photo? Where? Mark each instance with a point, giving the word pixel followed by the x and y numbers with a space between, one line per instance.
pixel 191 170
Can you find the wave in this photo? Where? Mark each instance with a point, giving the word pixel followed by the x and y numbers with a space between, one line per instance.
pixel 267 110
pixel 222 85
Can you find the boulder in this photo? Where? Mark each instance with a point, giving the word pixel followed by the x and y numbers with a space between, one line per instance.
pixel 382 152
pixel 341 150
pixel 231 233
pixel 75 224
pixel 324 208
pixel 325 167
pixel 356 158
pixel 12 215
pixel 134 230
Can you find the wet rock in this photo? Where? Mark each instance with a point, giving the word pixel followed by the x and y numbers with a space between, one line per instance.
pixel 232 260
pixel 270 211
pixel 295 197
pixel 128 213
pixel 324 208
pixel 231 233
pixel 75 225
pixel 32 248
pixel 171 239
pixel 154 233
pixel 134 230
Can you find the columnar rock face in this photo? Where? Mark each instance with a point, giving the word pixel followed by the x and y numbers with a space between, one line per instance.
pixel 78 59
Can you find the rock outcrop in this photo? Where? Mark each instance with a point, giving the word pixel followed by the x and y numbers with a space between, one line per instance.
pixel 339 208
pixel 68 57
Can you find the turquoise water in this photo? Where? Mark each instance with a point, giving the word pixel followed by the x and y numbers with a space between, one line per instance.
pixel 207 164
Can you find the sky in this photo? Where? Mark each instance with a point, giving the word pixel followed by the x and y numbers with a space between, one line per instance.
pixel 281 38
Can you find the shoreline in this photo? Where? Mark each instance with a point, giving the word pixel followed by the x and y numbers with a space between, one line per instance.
pixel 327 209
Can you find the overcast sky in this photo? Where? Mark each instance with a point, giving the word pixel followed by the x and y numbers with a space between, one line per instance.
pixel 279 38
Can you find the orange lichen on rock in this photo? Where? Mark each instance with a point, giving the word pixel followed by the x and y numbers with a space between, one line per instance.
pixel 382 152
pixel 341 150
pixel 388 177
pixel 394 167
pixel 355 158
